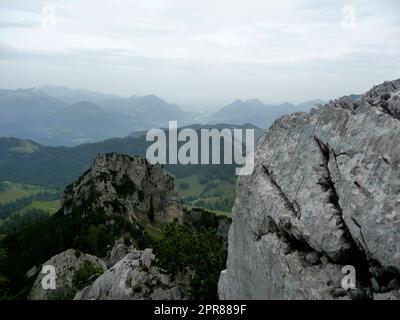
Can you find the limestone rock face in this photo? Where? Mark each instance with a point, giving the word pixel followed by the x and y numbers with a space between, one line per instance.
pixel 123 185
pixel 66 265
pixel 325 193
pixel 125 196
pixel 118 252
pixel 133 278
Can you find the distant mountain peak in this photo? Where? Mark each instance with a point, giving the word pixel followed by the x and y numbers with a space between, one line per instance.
pixel 237 101
pixel 84 104
pixel 254 101
pixel 152 96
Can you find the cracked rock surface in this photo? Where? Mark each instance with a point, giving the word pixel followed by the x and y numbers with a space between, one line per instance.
pixel 66 264
pixel 135 277
pixel 122 185
pixel 325 193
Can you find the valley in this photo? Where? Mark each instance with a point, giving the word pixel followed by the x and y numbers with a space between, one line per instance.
pixel 60 116
pixel 97 208
pixel 136 207
pixel 48 168
pixel 198 150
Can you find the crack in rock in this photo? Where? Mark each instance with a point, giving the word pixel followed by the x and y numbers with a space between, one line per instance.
pixel 292 206
pixel 337 226
pixel 330 187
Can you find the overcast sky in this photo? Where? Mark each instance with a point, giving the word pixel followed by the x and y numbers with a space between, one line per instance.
pixel 202 53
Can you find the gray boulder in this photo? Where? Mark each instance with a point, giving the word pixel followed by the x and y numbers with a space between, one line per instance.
pixel 66 265
pixel 325 193
pixel 134 278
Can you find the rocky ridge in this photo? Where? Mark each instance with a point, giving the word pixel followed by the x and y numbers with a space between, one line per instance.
pixel 324 193
pixel 127 186
pixel 115 210
pixel 135 277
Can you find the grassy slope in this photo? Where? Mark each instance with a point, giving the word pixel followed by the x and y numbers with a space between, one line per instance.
pixel 217 212
pixel 194 190
pixel 50 207
pixel 14 191
pixel 222 190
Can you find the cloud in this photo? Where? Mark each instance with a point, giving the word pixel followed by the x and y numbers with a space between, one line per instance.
pixel 182 37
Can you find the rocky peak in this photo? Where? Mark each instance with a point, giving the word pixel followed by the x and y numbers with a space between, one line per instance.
pixel 385 96
pixel 324 194
pixel 128 186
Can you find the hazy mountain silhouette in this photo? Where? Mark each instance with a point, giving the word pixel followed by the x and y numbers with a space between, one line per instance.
pixel 54 115
pixel 34 114
pixel 255 112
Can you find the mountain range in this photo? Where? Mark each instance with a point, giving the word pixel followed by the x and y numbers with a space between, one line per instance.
pixel 59 116
pixel 257 113
pixel 65 120
pixel 27 161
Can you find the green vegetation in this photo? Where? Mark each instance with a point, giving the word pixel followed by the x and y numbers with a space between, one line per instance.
pixel 11 191
pixel 82 277
pixel 97 240
pixel 202 252
pixel 200 217
pixel 49 207
pixel 85 229
pixel 215 212
pixel 3 279
pixel 60 166
pixel 19 220
pixel 220 203
pixel 150 214
pixel 9 208
pixel 33 236
pixel 37 237
pixel 27 198
pixel 153 233
pixel 216 195
pixel 126 187
pixel 184 186
pixel 87 271
pixel 194 188
pixel 25 146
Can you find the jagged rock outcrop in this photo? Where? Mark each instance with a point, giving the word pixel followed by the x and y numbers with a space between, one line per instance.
pixel 135 277
pixel 325 193
pixel 108 212
pixel 129 186
pixel 118 252
pixel 66 265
